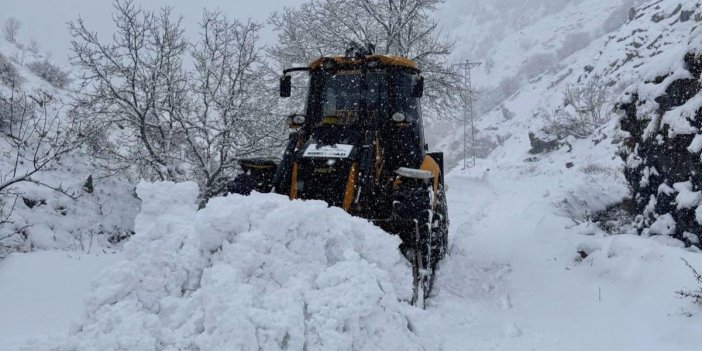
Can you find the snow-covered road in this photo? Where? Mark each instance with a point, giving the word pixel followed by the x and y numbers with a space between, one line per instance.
pixel 514 279
pixel 43 293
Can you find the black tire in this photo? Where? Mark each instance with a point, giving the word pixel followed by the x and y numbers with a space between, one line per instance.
pixel 243 184
pixel 440 227
pixel 433 241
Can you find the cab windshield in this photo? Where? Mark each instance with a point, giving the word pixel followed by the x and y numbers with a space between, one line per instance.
pixel 343 97
pixel 343 104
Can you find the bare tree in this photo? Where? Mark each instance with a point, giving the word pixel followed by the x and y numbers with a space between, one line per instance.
pixel 588 100
pixel 132 85
pixel 37 136
pixel 582 111
pixel 33 47
pixel 166 122
pixel 50 72
pixel 694 295
pixel 396 27
pixel 231 110
pixel 11 29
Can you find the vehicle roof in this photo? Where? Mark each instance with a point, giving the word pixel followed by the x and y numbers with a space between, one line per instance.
pixel 386 60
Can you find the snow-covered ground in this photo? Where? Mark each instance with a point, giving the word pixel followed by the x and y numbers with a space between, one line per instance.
pixel 44 292
pixel 514 280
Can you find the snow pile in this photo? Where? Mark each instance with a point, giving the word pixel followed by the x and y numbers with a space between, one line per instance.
pixel 247 273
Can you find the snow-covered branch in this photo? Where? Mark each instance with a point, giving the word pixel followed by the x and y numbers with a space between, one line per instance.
pixel 397 27
pixel 162 121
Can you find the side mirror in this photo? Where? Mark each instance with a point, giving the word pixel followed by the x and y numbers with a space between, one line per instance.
pixel 285 86
pixel 418 88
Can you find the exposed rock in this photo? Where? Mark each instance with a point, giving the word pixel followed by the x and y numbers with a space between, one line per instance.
pixel 540 144
pixel 664 167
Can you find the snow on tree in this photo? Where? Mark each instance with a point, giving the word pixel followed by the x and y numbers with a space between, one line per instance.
pixel 36 137
pixel 396 27
pixel 162 121
pixel 11 29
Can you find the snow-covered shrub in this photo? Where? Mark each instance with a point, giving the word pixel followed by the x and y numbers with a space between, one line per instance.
pixel 507 114
pixel 33 47
pixel 249 273
pixel 13 241
pixel 582 111
pixel 694 295
pixel 50 73
pixel 8 73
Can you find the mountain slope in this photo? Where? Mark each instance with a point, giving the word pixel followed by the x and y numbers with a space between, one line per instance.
pixel 39 218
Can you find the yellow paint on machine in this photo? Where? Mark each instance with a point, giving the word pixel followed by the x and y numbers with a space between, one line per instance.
pixel 428 164
pixel 293 182
pixel 350 187
pixel 382 59
pixel 258 166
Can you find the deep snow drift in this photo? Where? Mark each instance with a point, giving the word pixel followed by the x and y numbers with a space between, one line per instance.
pixel 260 272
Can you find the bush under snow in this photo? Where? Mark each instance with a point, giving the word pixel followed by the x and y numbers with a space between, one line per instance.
pixel 249 273
pixel 50 72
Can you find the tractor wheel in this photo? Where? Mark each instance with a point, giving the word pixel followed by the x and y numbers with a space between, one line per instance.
pixel 440 227
pixel 431 245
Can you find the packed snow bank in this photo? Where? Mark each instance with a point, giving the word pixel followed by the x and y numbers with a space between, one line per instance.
pixel 249 273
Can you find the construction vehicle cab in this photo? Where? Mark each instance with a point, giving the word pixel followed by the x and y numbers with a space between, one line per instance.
pixel 360 146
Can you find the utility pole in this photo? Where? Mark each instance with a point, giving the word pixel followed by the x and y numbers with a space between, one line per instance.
pixel 468 112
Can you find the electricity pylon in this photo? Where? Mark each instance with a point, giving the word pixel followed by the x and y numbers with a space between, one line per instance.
pixel 468 113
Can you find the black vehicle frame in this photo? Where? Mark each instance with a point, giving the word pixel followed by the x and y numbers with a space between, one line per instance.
pixel 360 146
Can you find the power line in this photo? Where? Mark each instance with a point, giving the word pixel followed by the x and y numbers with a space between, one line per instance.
pixel 468 112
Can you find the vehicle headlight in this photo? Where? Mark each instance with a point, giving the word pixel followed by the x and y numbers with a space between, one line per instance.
pixel 399 117
pixel 299 119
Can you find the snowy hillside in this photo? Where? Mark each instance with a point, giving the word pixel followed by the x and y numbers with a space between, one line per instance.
pixel 652 44
pixel 516 42
pixel 41 218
